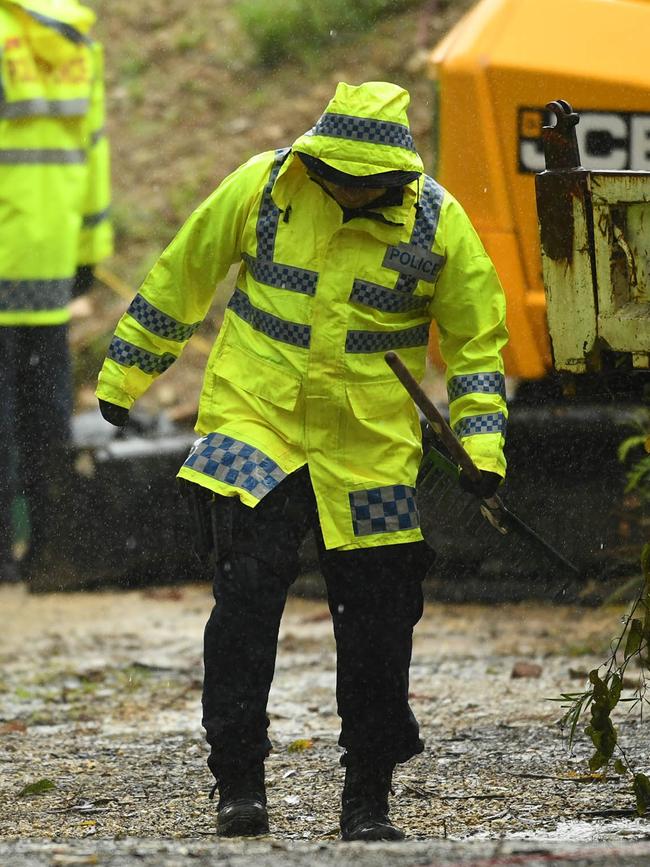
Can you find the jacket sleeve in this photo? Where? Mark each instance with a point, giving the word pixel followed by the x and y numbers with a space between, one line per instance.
pixel 177 293
pixel 469 308
pixel 96 235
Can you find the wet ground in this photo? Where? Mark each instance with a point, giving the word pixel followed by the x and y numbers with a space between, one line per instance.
pixel 99 709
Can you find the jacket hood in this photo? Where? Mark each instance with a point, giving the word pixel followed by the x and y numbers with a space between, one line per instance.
pixel 54 28
pixel 364 131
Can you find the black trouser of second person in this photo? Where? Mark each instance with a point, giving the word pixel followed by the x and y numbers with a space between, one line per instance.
pixel 375 599
pixel 35 384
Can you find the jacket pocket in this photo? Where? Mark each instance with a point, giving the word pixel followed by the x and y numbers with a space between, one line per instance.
pixel 257 376
pixel 373 399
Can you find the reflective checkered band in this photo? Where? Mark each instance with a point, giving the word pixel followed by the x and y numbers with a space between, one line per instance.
pixel 282 276
pixel 159 323
pixel 236 463
pixel 477 383
pixel 274 327
pixel 382 298
pixel 129 355
pixel 269 213
pixel 365 129
pixel 384 510
pixel 381 341
pixel 424 228
pixel 35 294
pixel 41 156
pixel 426 223
pixel 491 422
pixel 41 107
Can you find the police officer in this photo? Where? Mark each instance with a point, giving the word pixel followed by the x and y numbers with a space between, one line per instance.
pixel 54 196
pixel 346 250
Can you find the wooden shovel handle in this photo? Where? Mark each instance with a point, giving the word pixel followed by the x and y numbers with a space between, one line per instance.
pixel 432 415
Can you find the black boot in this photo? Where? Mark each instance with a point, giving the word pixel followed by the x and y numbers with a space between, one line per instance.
pixel 242 802
pixel 364 813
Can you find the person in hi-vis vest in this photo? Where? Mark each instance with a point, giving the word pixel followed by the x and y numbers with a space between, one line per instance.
pixel 54 228
pixel 346 250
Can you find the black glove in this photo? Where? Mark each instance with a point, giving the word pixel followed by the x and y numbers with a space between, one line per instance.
pixel 117 415
pixel 83 280
pixel 485 488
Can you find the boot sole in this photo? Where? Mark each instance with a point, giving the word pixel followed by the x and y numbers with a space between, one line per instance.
pixel 374 834
pixel 249 820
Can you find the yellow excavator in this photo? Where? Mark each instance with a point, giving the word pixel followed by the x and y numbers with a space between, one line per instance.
pixel 494 76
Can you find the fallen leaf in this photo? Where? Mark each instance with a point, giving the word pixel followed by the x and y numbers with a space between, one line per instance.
pixel 526 669
pixel 37 788
pixel 317 618
pixel 169 594
pixel 300 745
pixel 13 725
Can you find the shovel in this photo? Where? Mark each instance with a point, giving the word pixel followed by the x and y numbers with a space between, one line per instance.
pixel 493 509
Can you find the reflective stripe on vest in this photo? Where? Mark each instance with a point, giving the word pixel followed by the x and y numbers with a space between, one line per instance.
pixel 51 107
pixel 388 300
pixel 35 294
pixel 364 129
pixel 129 355
pixel 384 510
pixel 476 383
pixel 382 341
pixel 262 267
pixel 424 228
pixel 236 463
pixel 159 323
pixel 269 213
pixel 283 330
pixel 40 156
pixel 490 422
pixel 282 276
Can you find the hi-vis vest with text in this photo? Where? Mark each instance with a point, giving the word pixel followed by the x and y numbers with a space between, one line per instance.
pixel 54 169
pixel 297 373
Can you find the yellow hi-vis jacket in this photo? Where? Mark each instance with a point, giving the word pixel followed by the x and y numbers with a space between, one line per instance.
pixel 297 374
pixel 54 162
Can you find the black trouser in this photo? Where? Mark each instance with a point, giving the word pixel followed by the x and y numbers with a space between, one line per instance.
pixel 375 598
pixel 35 390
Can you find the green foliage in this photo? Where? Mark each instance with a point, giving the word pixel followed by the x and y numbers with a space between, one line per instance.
pixel 642 791
pixel 628 445
pixel 605 696
pixel 604 692
pixel 190 39
pixel 37 788
pixel 634 638
pixel 290 29
pixel 638 474
pixel 638 478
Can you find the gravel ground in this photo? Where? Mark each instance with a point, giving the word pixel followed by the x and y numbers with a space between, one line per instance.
pixel 99 698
